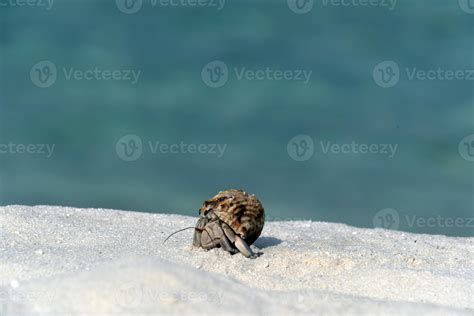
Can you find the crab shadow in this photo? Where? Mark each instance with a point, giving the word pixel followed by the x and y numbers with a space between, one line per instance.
pixel 265 242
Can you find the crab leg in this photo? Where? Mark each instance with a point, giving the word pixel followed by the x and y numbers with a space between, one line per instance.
pixel 201 223
pixel 239 242
pixel 243 247
pixel 228 232
pixel 226 245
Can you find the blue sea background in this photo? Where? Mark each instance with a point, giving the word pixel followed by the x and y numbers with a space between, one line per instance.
pixel 255 119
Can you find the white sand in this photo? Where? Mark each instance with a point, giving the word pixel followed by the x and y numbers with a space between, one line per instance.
pixel 60 261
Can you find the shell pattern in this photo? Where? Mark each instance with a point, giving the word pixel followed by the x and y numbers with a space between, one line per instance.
pixel 243 212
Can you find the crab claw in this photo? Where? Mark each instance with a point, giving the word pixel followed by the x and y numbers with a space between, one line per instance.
pixel 243 247
pixel 227 246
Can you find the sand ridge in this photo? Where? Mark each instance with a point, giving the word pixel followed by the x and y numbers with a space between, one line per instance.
pixel 57 260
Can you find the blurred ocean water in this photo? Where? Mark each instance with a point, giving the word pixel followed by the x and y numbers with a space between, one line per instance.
pixel 331 111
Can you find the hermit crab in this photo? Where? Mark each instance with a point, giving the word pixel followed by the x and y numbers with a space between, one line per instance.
pixel 233 220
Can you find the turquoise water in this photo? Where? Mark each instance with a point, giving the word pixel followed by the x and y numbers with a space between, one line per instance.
pixel 159 109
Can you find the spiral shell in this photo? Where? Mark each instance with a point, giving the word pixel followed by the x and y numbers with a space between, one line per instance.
pixel 243 212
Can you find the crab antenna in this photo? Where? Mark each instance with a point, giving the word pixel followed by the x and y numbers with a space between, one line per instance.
pixel 178 231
